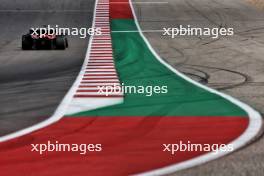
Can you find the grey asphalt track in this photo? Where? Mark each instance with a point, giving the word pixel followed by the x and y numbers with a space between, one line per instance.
pixel 234 65
pixel 32 83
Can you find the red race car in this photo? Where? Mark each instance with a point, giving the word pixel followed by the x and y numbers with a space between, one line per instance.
pixel 41 39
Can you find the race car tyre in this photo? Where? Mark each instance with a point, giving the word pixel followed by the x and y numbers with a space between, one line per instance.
pixel 52 44
pixel 67 45
pixel 60 42
pixel 26 42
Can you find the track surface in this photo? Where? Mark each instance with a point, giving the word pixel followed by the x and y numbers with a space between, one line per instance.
pixel 32 83
pixel 233 65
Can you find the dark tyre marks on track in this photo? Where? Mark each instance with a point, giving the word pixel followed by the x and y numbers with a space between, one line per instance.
pixel 213 70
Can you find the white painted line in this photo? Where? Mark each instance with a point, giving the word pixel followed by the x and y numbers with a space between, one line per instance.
pixel 100 64
pixel 99 23
pixel 105 28
pixel 101 55
pixel 101 58
pixel 47 11
pixel 99 43
pixel 135 31
pixel 98 20
pixel 103 17
pixel 110 52
pixel 137 2
pixel 101 69
pixel 100 77
pixel 102 12
pixel 100 50
pixel 102 8
pixel 101 74
pixel 89 88
pixel 142 2
pixel 101 46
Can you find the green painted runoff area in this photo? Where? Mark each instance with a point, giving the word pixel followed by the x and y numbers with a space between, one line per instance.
pixel 137 66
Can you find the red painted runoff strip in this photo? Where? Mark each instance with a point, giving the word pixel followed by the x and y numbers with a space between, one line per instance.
pixel 120 10
pixel 101 58
pixel 130 145
pixel 100 75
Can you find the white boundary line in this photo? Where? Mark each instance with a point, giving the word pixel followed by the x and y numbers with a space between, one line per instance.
pixel 62 108
pixel 136 2
pixel 254 127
